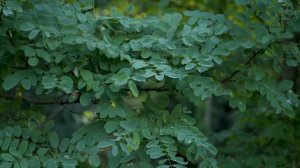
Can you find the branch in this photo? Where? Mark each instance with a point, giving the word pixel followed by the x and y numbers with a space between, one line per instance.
pixel 34 101
pixel 2 4
pixel 234 73
pixel 152 89
pixel 1 12
pixel 63 101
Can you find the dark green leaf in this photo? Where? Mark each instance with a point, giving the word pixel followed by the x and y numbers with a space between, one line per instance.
pixel 94 160
pixel 27 26
pixel 49 81
pixel 133 88
pixel 33 61
pixel 54 140
pixel 86 75
pixel 43 54
pixel 66 84
pixel 85 99
pixel 8 157
pixel 33 34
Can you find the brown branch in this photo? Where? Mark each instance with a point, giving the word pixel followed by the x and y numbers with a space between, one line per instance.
pixel 247 63
pixel 39 101
pixel 152 89
pixel 33 101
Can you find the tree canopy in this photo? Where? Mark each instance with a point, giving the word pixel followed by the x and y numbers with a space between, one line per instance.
pixel 141 81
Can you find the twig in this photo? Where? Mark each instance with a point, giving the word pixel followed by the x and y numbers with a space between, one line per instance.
pixel 34 101
pixel 63 101
pixel 152 89
pixel 2 4
pixel 234 73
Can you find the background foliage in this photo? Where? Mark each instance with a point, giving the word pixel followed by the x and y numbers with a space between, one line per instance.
pixel 165 83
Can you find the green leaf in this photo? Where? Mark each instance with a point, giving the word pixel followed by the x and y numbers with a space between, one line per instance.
pixel 138 64
pixel 220 28
pixel 10 82
pixel 111 126
pixel 26 83
pixel 33 61
pixel 16 165
pixel 49 81
pixel 212 149
pixel 105 143
pixel 189 66
pixel 43 54
pixel 17 131
pixel 241 106
pixel 69 163
pixel 181 136
pixel 6 165
pixel 28 51
pixel 172 19
pixel 94 160
pixel 13 146
pixel 267 38
pixel 64 144
pixel 285 85
pixel 91 45
pixel 155 152
pixel 145 129
pixel 146 54
pixel 33 34
pixel 164 3
pixel 54 140
pixel 42 151
pixel 86 75
pixel 110 111
pixel 85 99
pixel 121 77
pixel 80 145
pixel 133 88
pixel 8 157
pixel 186 30
pixel 24 163
pixel 26 26
pixel 99 93
pixel 81 17
pixel 292 63
pixel 129 125
pixel 115 150
pixel 186 60
pixel 66 84
pixel 35 135
pixel 233 45
pixel 135 143
pixel 53 44
pixel 248 44
pixel 23 146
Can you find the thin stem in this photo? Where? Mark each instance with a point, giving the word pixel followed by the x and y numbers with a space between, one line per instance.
pixel 247 63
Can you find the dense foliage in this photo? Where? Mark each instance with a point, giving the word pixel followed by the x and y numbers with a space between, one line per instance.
pixel 145 79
